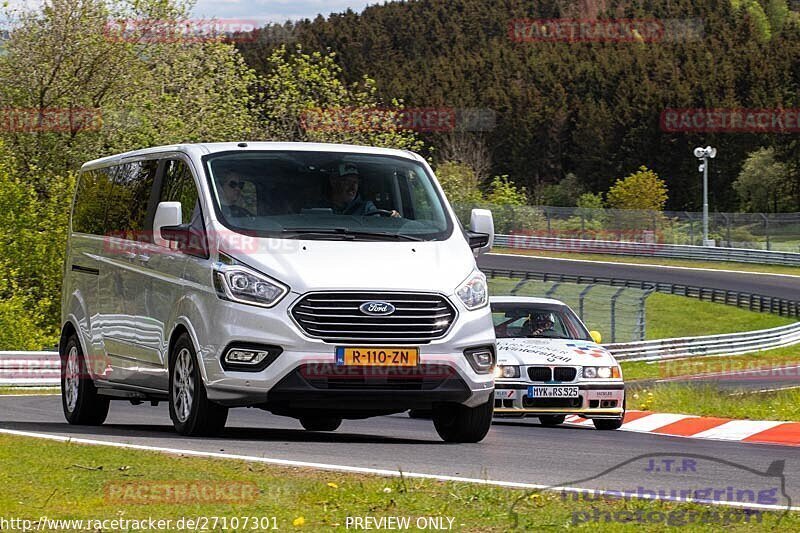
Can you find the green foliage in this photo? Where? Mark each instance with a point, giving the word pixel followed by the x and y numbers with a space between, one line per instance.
pixel 777 12
pixel 305 99
pixel 502 191
pixel 590 200
pixel 565 193
pixel 460 183
pixel 139 91
pixel 759 19
pixel 763 185
pixel 641 190
pixel 32 240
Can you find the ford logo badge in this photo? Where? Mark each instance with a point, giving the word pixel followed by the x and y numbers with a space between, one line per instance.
pixel 377 308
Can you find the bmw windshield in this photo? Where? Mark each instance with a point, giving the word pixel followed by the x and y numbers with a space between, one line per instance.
pixel 326 195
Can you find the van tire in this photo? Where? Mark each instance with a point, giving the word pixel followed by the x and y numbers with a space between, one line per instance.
pixel 79 399
pixel 197 417
pixel 461 424
pixel 322 423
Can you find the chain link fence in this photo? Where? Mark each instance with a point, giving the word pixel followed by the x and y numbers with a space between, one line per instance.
pixel 765 231
pixel 618 313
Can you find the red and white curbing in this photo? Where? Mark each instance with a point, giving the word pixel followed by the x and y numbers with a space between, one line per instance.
pixel 698 427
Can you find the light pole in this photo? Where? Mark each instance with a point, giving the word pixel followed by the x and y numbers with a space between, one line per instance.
pixel 704 154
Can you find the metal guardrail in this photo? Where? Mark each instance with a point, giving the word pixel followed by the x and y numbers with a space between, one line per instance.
pixel 673 251
pixel 728 344
pixel 743 300
pixel 30 369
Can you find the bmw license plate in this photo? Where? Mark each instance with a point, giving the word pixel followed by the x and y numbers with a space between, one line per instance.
pixel 552 392
pixel 388 356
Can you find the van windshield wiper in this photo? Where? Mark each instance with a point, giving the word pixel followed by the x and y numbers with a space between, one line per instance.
pixel 345 233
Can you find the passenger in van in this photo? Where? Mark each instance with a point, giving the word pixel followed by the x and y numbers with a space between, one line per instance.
pixel 343 196
pixel 230 187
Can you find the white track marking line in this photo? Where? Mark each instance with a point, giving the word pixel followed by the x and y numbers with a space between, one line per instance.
pixel 648 265
pixel 737 429
pixel 648 423
pixel 376 471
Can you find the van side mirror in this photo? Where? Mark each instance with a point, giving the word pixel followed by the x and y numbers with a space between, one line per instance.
pixel 481 231
pixel 168 214
pixel 596 337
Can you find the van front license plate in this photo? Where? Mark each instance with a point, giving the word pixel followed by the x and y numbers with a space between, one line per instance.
pixel 553 392
pixel 377 356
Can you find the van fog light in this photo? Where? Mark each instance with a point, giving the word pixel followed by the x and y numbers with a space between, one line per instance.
pixel 251 357
pixel 245 358
pixel 481 359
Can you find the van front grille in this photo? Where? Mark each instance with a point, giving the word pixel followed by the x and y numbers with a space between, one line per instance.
pixel 337 317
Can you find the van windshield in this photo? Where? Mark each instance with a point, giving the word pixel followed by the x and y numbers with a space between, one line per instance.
pixel 330 196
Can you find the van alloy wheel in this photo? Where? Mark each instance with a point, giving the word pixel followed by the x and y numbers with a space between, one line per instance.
pixel 71 377
pixel 183 381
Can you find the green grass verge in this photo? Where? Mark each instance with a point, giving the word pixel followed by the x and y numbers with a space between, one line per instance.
pixel 667 315
pixel 789 355
pixel 83 482
pixel 714 265
pixel 671 316
pixel 707 400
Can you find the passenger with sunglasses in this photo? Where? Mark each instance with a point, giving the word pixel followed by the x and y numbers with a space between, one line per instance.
pixel 230 194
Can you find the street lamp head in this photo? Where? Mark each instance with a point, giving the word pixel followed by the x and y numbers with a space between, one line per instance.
pixel 699 152
pixel 712 152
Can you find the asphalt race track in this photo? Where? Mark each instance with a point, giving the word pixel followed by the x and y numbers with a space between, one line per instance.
pixel 515 450
pixel 776 285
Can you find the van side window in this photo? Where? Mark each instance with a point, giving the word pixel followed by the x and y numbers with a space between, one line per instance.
pixel 127 210
pixel 94 190
pixel 178 186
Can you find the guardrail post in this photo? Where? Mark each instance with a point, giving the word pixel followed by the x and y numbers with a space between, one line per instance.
pixel 519 285
pixel 552 290
pixel 614 314
pixel 766 229
pixel 581 297
pixel 642 314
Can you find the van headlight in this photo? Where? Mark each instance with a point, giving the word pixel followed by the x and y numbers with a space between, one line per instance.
pixel 473 292
pixel 244 285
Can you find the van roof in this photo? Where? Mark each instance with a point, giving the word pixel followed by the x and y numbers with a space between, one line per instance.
pixel 201 149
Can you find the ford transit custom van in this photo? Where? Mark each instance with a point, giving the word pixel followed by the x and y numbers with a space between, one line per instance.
pixel 320 282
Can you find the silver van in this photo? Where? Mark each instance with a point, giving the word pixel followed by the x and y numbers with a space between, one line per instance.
pixel 320 282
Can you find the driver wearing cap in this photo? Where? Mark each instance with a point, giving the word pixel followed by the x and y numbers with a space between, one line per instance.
pixel 344 197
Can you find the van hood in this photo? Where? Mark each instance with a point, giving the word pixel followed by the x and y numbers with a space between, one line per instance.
pixel 316 265
pixel 553 352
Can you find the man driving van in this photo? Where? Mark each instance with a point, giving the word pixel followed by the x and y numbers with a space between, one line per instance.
pixel 344 197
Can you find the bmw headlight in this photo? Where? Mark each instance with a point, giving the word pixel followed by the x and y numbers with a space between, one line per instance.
pixel 602 372
pixel 473 292
pixel 244 285
pixel 503 371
